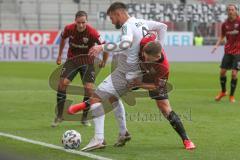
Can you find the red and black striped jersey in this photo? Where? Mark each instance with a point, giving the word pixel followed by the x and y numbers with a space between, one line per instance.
pixel 81 42
pixel 231 29
pixel 154 72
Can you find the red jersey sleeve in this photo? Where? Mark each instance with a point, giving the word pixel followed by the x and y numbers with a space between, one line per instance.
pixel 100 40
pixel 96 36
pixel 223 30
pixel 161 75
pixel 65 33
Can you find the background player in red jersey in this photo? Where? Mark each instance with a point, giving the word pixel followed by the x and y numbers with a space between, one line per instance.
pixel 231 58
pixel 155 67
pixel 81 38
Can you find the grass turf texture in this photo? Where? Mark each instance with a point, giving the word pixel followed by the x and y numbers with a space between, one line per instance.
pixel 27 110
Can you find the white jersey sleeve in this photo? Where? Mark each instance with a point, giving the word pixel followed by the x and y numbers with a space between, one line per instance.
pixel 158 27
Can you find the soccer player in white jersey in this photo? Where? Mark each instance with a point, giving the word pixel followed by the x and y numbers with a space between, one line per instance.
pixel 115 85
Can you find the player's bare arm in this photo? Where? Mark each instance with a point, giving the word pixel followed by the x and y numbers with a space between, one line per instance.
pixel 220 40
pixel 61 47
pixel 95 50
pixel 104 60
pixel 136 83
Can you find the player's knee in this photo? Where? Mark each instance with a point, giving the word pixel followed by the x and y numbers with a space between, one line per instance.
pixel 234 74
pixel 88 88
pixel 66 82
pixel 113 99
pixel 164 106
pixel 223 72
pixel 61 87
pixel 63 84
pixel 166 112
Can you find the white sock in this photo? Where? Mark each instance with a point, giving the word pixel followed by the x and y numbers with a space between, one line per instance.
pixel 120 116
pixel 99 116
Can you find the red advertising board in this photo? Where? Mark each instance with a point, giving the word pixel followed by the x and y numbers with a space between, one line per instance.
pixel 31 37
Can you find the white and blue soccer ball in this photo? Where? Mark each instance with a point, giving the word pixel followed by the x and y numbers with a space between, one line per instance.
pixel 71 139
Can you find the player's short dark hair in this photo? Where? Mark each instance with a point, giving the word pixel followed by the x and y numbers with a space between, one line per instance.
pixel 152 48
pixel 81 14
pixel 116 5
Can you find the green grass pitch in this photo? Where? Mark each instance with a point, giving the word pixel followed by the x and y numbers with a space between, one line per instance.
pixel 27 110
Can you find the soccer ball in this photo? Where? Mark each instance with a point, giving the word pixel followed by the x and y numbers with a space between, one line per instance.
pixel 71 139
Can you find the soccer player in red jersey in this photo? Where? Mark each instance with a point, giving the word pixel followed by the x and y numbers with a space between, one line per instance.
pixel 81 38
pixel 155 67
pixel 231 59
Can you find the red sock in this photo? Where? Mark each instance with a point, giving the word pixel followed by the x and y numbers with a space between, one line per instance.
pixel 77 107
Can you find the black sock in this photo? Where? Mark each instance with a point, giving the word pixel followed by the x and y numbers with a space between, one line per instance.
pixel 223 81
pixel 177 125
pixel 61 98
pixel 85 98
pixel 233 86
pixel 85 112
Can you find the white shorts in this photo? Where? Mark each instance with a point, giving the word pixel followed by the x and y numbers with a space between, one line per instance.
pixel 114 85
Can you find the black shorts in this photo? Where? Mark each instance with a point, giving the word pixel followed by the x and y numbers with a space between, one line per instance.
pixel 161 92
pixel 70 69
pixel 230 61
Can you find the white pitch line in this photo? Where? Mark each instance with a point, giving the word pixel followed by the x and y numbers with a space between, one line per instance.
pixel 89 155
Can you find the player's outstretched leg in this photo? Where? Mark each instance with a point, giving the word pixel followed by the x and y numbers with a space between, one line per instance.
pixel 178 127
pixel 97 142
pixel 176 123
pixel 124 135
pixel 119 111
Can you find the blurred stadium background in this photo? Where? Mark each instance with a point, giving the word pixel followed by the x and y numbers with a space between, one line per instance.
pixel 39 22
pixel 30 32
pixel 206 16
